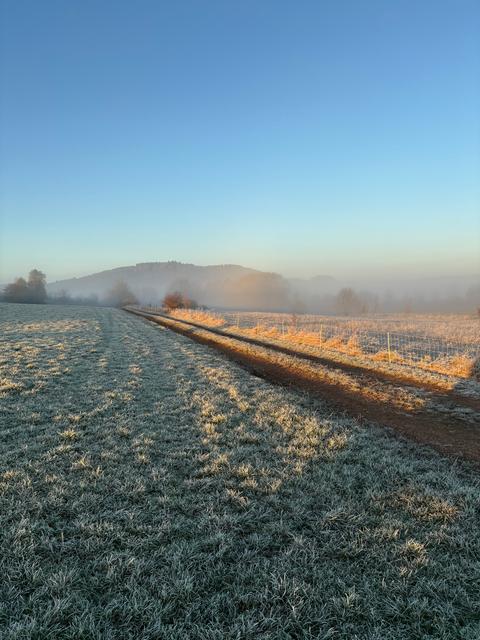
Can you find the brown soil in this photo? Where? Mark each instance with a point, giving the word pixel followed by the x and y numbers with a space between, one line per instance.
pixel 445 420
pixel 403 374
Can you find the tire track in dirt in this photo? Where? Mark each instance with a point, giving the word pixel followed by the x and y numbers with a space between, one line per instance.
pixel 375 373
pixel 447 421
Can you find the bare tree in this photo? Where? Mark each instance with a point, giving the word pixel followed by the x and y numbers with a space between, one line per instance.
pixel 348 302
pixel 32 291
pixel 16 291
pixel 37 286
pixel 120 295
pixel 189 303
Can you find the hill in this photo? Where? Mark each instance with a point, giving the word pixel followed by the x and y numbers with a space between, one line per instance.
pixel 226 285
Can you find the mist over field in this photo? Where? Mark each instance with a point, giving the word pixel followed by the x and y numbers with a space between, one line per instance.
pixel 238 287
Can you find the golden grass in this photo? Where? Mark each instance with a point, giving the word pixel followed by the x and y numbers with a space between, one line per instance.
pixel 69 434
pixel 451 327
pixel 200 317
pixel 9 385
pixel 459 365
pixel 385 356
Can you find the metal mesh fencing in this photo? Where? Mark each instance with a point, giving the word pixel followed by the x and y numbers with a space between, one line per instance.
pixel 413 347
pixel 408 346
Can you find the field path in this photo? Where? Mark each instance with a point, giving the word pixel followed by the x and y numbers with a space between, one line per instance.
pixel 445 418
pixel 150 488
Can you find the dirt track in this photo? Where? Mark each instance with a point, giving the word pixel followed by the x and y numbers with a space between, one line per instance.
pixel 447 420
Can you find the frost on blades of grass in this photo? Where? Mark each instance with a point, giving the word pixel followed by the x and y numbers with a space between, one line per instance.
pixel 151 489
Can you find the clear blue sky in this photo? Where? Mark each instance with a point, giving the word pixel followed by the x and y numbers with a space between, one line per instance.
pixel 306 137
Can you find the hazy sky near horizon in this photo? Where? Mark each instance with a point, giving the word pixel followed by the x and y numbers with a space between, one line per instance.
pixel 302 137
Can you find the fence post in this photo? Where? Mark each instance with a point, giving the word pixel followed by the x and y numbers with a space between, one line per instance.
pixel 388 346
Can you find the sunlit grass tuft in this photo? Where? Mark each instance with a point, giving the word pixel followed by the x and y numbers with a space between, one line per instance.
pixel 69 434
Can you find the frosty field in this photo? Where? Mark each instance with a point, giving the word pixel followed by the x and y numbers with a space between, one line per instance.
pixel 150 488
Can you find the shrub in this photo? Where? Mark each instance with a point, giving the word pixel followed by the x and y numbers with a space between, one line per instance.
pixel 177 300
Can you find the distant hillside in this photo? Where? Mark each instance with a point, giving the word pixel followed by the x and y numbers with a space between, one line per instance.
pixel 226 285
pixel 151 280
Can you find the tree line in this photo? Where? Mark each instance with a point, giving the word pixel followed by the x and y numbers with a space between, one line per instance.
pixel 347 302
pixel 33 290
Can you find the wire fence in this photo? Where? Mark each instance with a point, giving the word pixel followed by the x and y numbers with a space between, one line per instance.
pixel 413 347
pixel 409 346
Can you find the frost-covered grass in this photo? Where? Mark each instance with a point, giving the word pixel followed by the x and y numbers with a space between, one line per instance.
pixel 151 489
